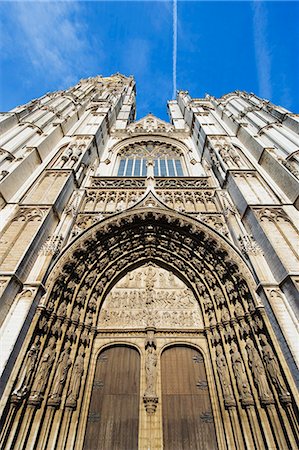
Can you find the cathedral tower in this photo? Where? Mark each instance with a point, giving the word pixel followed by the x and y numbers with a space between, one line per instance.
pixel 148 272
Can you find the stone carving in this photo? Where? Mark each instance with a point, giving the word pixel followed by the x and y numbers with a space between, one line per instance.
pixel 224 377
pixel 239 310
pixel 273 369
pixel 272 214
pixel 62 369
pixel 61 312
pixel 183 183
pixel 115 183
pixel 150 398
pixel 43 372
pixel 292 166
pixel 241 379
pixel 249 245
pixel 26 376
pixel 52 246
pixel 150 371
pixel 150 124
pixel 150 296
pixel 107 201
pixel 76 377
pixel 258 373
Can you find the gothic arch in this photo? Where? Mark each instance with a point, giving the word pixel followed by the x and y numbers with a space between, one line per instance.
pixel 250 379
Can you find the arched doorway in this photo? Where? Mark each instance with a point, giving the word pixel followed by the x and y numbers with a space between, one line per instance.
pixel 250 384
pixel 113 416
pixel 186 407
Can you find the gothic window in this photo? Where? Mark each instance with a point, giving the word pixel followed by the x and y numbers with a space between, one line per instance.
pixel 168 160
pixel 137 167
pixel 132 167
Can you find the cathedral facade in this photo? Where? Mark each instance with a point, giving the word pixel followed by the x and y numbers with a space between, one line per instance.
pixel 149 272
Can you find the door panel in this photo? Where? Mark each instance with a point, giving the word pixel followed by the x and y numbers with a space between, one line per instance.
pixel 186 408
pixel 114 409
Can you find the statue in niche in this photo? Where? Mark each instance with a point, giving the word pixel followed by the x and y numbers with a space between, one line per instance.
pixel 151 360
pixel 258 372
pixel 212 317
pixel 239 310
pixel 239 371
pixel 44 370
pixel 92 304
pixel 225 317
pixel 75 382
pixel 61 312
pixel 224 375
pixel 62 369
pixel 228 332
pixel 215 336
pixel 207 303
pixel 25 377
pixel 76 314
pixel 272 367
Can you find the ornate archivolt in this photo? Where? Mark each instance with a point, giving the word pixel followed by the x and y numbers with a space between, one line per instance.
pixel 250 378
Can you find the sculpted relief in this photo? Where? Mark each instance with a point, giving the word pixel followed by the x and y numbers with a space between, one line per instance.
pixel 150 296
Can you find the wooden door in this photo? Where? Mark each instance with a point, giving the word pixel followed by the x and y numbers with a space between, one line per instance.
pixel 114 409
pixel 186 408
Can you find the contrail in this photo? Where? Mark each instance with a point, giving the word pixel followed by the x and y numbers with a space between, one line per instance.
pixel 175 44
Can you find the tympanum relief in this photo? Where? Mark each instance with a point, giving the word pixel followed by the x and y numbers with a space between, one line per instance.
pixel 150 296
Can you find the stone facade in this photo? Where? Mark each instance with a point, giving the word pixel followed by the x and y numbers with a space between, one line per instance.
pixel 150 236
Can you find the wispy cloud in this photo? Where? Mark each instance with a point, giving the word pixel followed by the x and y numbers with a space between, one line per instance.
pixel 262 52
pixel 54 39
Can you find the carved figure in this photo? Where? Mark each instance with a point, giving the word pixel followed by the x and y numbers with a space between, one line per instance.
pixel 75 382
pixel 44 369
pixel 272 367
pixel 223 375
pixel 212 317
pixel 61 312
pixel 258 372
pixel 150 278
pixel 25 378
pixel 76 314
pixel 207 303
pixel 239 310
pixel 239 371
pixel 62 369
pixel 150 372
pixel 225 317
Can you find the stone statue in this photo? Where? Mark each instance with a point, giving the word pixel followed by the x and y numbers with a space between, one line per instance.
pixel 224 375
pixel 150 372
pixel 258 372
pixel 75 382
pixel 272 367
pixel 225 317
pixel 44 370
pixel 212 317
pixel 28 368
pixel 62 369
pixel 76 314
pixel 239 310
pixel 239 371
pixel 61 312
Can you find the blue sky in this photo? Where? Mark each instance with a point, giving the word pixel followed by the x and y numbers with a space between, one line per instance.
pixel 221 47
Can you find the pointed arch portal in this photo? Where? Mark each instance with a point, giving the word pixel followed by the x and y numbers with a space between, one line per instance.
pixel 247 383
